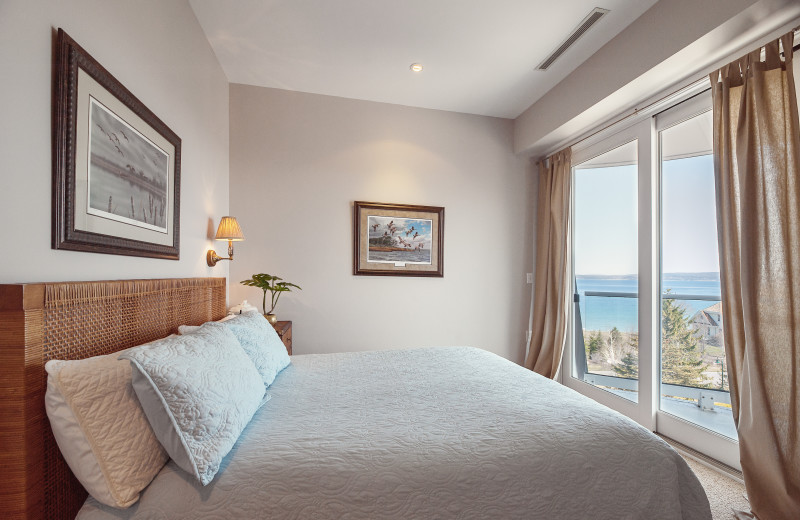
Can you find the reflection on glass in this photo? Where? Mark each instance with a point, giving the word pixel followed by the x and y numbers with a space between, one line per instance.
pixel 694 382
pixel 605 249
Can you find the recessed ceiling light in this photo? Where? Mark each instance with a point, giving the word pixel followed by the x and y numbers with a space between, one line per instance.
pixel 416 67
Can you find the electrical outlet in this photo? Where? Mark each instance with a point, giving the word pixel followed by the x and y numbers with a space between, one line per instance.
pixel 528 277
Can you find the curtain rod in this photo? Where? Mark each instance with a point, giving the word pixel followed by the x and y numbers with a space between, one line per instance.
pixel 693 85
pixel 689 87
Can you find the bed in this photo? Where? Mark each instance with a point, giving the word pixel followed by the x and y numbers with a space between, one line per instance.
pixel 449 432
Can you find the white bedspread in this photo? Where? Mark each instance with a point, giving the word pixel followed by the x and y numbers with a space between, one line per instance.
pixel 432 433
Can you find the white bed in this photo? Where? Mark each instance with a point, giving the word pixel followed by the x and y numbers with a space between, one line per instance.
pixel 451 432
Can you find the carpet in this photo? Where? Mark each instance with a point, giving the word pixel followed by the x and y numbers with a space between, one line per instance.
pixel 725 494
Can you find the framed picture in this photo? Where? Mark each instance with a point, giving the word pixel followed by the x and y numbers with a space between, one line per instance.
pixel 398 239
pixel 116 166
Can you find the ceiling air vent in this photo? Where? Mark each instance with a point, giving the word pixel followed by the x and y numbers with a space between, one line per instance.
pixel 592 18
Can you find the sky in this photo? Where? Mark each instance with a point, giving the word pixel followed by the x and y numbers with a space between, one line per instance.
pixel 403 226
pixel 606 220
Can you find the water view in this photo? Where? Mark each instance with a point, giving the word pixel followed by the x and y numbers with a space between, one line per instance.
pixel 128 174
pixel 622 313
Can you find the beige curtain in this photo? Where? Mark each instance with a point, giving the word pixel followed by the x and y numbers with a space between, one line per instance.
pixel 757 172
pixel 552 282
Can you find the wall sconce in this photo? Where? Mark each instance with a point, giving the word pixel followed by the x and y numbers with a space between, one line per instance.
pixel 228 230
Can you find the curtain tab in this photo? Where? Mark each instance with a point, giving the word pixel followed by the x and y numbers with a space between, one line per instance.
pixel 772 55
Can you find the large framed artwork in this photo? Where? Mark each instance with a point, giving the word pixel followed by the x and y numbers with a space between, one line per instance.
pixel 116 166
pixel 398 239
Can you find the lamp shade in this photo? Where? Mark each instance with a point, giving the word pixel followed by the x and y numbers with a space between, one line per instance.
pixel 229 230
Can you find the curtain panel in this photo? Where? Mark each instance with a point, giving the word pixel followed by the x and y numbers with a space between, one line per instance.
pixel 552 289
pixel 757 175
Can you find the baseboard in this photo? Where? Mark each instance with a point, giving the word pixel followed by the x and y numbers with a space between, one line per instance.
pixel 705 460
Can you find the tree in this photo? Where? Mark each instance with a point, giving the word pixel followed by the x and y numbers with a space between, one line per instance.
pixel 628 367
pixel 613 346
pixel 681 364
pixel 633 342
pixel 594 344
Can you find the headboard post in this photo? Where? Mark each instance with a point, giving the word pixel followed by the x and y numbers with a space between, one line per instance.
pixel 74 320
pixel 22 384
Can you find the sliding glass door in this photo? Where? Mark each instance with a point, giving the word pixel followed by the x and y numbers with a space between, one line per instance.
pixel 611 279
pixel 606 270
pixel 694 405
pixel 646 336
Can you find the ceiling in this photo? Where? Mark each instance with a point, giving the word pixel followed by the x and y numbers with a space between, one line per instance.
pixel 479 55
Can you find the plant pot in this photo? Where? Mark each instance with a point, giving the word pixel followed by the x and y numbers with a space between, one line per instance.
pixel 271 318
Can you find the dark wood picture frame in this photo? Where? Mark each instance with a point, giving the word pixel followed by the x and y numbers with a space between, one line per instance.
pixel 71 63
pixel 383 244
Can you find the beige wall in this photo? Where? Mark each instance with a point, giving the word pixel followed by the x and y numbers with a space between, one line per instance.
pixel 298 161
pixel 159 52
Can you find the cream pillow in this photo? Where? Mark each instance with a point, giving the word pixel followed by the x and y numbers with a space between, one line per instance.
pixel 101 428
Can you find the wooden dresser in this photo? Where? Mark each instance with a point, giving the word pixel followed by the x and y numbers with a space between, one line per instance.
pixel 284 330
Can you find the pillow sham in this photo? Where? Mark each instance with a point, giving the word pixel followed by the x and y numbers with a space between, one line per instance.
pixel 261 343
pixel 198 391
pixel 101 428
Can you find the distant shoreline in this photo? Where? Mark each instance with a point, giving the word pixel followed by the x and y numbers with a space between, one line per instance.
pixel 702 276
pixel 388 249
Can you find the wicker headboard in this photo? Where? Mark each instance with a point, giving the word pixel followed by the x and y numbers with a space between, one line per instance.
pixel 73 320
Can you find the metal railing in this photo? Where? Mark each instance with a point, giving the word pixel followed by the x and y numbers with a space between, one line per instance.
pixel 701 395
pixel 664 296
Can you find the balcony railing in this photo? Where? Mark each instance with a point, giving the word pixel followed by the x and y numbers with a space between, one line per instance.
pixel 708 407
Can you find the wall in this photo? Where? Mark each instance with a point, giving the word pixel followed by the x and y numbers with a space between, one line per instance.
pixel 298 161
pixel 670 45
pixel 158 51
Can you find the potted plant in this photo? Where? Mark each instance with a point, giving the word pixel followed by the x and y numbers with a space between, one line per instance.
pixel 273 284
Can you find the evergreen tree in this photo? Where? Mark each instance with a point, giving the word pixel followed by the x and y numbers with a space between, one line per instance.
pixel 681 363
pixel 633 342
pixel 628 367
pixel 594 344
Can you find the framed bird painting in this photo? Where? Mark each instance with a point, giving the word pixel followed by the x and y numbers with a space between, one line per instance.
pixel 116 166
pixel 398 239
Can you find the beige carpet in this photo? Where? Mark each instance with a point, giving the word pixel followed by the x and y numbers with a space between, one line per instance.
pixel 724 494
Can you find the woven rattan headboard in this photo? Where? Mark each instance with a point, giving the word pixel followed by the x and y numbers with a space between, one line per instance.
pixel 73 320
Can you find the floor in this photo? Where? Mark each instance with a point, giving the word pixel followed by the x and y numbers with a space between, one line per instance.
pixel 725 494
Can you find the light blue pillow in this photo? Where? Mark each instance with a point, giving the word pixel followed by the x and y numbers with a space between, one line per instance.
pixel 198 392
pixel 262 344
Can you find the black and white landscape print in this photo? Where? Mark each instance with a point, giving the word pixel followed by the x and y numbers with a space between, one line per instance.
pixel 128 173
pixel 399 240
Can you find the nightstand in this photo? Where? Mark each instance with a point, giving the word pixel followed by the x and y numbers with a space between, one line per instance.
pixel 284 330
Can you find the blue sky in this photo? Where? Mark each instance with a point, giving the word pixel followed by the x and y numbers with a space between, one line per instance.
pixel 606 218
pixel 422 228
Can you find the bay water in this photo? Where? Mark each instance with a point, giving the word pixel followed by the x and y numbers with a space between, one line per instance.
pixel 604 313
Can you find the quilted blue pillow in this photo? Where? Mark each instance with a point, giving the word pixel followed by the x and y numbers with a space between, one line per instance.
pixel 261 342
pixel 198 392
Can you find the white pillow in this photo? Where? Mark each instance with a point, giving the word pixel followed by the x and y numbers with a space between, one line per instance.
pixel 258 339
pixel 101 428
pixel 261 343
pixel 198 391
pixel 186 329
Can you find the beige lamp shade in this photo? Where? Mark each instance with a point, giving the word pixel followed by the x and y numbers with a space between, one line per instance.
pixel 229 230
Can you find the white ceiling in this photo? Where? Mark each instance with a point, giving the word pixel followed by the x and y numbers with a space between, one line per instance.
pixel 479 55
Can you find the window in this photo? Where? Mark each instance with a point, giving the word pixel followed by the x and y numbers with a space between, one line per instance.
pixel 646 323
pixel 694 385
pixel 606 273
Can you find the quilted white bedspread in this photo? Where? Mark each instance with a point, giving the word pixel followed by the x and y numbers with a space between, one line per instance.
pixel 450 432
